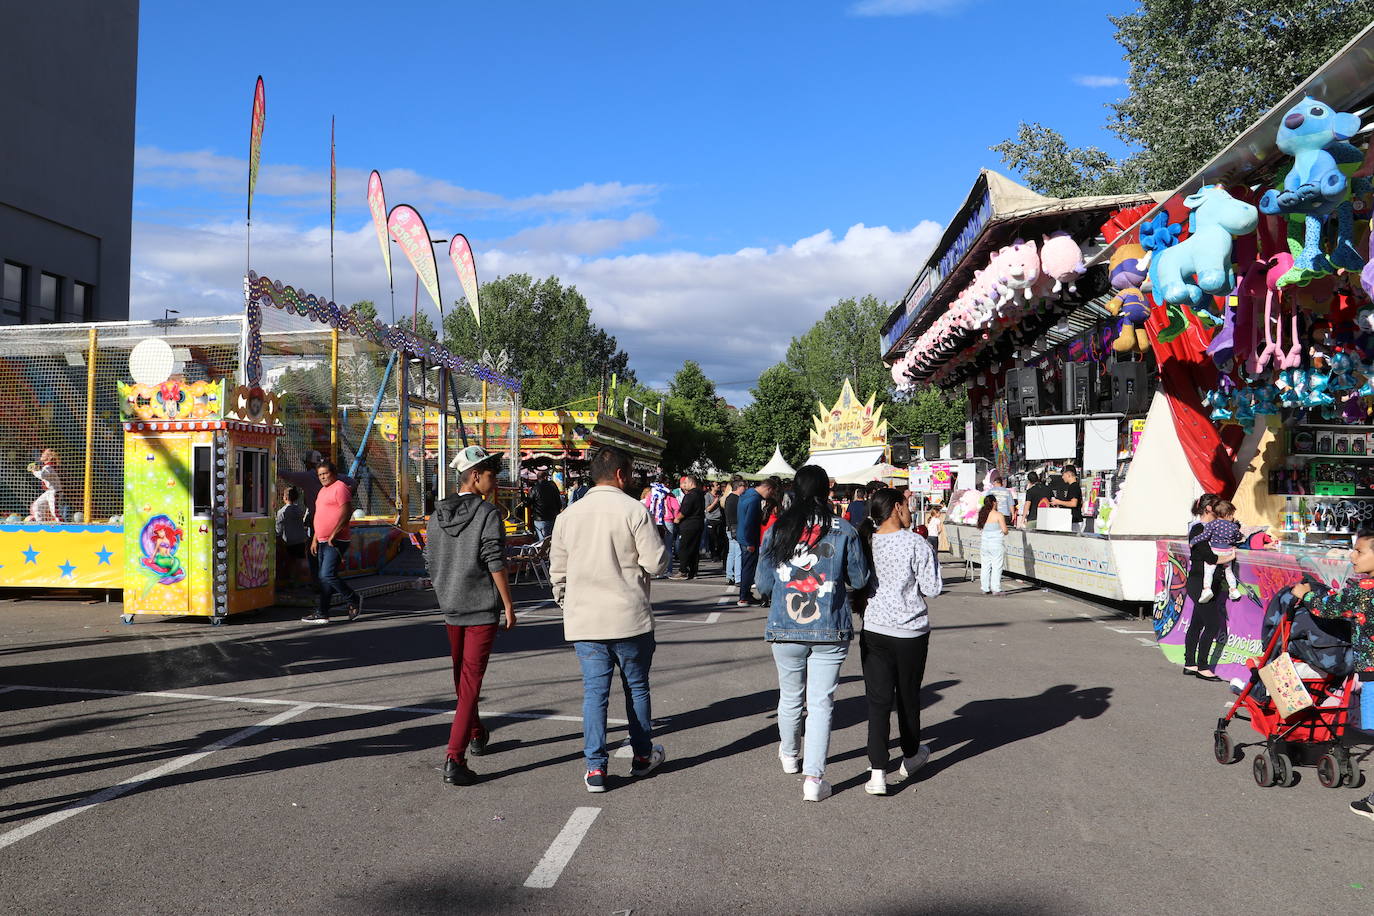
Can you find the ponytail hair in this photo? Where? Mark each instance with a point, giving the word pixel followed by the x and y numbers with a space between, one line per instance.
pixel 1203 503
pixel 989 504
pixel 882 503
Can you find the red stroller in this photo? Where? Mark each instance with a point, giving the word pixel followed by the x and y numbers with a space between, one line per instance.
pixel 1315 736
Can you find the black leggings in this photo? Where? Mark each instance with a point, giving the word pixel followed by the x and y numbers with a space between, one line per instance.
pixel 1203 631
pixel 893 670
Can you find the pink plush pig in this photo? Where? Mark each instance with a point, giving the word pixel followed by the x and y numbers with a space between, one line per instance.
pixel 1062 259
pixel 1020 263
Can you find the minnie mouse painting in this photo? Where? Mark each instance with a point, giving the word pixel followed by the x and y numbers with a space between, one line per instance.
pixel 803 587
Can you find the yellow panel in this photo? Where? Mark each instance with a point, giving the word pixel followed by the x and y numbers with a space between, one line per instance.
pixel 62 556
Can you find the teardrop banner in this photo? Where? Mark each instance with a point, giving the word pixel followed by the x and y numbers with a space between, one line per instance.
pixel 255 140
pixel 376 202
pixel 460 252
pixel 409 230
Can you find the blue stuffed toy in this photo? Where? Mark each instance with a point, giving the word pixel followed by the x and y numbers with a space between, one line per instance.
pixel 1201 263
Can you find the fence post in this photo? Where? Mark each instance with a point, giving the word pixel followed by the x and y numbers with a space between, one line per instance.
pixel 92 350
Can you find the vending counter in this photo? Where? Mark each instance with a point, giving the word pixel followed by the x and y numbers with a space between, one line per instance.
pixel 1261 574
pixel 1118 568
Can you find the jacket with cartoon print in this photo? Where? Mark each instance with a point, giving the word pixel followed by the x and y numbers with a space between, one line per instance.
pixel 808 592
pixel 1353 603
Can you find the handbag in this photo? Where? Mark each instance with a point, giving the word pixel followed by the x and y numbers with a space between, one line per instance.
pixel 1285 688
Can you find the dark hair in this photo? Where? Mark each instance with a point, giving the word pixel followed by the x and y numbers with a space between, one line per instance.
pixel 1069 469
pixel 775 483
pixel 292 494
pixel 692 478
pixel 1364 534
pixel 1032 477
pixel 989 504
pixel 860 491
pixel 327 465
pixel 881 504
pixel 736 481
pixel 606 462
pixel 1203 503
pixel 810 501
pixel 1223 508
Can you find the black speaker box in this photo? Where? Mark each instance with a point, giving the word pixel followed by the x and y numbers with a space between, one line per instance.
pixel 1078 388
pixel 931 444
pixel 1130 388
pixel 901 450
pixel 1023 392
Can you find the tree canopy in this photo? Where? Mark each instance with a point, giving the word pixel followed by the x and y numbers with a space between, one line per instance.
pixel 780 416
pixel 696 425
pixel 1198 74
pixel 557 351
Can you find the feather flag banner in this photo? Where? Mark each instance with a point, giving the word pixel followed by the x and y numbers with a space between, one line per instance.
pixel 409 230
pixel 255 140
pixel 376 202
pixel 333 185
pixel 460 252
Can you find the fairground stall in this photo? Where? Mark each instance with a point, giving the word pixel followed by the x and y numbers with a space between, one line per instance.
pixel 1056 365
pixel 1261 317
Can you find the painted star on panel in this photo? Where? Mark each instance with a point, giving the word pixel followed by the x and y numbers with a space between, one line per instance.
pixel 103 555
pixel 67 568
pixel 31 555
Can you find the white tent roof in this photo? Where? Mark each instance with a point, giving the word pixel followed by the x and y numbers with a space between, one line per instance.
pixel 777 465
pixel 884 473
pixel 844 461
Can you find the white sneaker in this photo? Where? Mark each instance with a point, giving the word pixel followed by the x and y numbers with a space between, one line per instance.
pixel 911 764
pixel 1205 596
pixel 643 766
pixel 877 782
pixel 790 764
pixel 815 790
pixel 1235 594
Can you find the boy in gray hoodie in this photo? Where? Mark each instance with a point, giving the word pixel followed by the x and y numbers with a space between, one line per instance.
pixel 465 551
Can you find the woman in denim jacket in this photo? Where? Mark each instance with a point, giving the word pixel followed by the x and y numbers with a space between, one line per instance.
pixel 809 560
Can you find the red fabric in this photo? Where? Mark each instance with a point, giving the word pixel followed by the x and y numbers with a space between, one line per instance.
pixel 1185 370
pixel 470 648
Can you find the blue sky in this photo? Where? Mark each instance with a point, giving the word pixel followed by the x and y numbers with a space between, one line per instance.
pixel 689 166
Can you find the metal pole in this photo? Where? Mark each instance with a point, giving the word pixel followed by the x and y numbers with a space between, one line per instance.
pixel 402 444
pixel 334 396
pixel 484 416
pixel 92 349
pixel 443 433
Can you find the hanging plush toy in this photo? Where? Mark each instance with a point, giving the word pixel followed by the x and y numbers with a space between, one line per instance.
pixel 1127 270
pixel 1201 264
pixel 1022 266
pixel 1061 260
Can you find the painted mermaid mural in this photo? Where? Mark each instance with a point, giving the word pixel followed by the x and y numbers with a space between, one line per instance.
pixel 160 540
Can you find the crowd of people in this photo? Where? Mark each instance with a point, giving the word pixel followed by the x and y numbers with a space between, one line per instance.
pixel 784 546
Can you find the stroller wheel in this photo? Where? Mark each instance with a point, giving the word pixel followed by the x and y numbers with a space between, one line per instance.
pixel 1223 747
pixel 1330 773
pixel 1284 772
pixel 1263 770
pixel 1354 776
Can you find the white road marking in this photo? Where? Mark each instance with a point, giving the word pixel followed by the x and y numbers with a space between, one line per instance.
pixel 1147 642
pixel 712 617
pixel 1129 632
pixel 561 850
pixel 133 782
pixel 263 701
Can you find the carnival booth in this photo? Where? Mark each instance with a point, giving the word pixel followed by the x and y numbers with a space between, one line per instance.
pixel 1047 347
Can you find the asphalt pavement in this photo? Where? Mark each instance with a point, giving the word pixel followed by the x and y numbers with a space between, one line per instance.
pixel 267 766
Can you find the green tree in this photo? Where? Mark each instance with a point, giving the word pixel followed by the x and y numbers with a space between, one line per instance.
pixel 365 307
pixel 1198 74
pixel 559 354
pixel 779 416
pixel 844 343
pixel 928 410
pixel 696 425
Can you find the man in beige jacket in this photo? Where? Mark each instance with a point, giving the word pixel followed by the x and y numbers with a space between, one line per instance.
pixel 605 550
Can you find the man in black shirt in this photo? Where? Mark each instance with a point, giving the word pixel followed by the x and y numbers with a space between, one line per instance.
pixel 1036 491
pixel 546 502
pixel 731 520
pixel 691 524
pixel 1069 494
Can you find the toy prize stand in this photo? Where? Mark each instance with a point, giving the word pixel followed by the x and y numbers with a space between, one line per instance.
pixel 199 467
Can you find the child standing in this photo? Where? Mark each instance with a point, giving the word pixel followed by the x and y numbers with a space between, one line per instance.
pixel 1222 534
pixel 1354 603
pixel 44 508
pixel 291 531
pixel 896 633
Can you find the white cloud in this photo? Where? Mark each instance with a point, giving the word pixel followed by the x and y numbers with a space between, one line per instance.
pixel 733 313
pixel 904 7
pixel 297 185
pixel 1099 82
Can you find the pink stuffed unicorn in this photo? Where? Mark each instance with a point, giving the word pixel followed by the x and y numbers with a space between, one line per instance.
pixel 1062 259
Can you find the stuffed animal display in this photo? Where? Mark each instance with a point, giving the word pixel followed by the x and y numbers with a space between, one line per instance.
pixel 1127 271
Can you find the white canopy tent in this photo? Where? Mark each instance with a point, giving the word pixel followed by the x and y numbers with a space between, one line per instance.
pixel 777 466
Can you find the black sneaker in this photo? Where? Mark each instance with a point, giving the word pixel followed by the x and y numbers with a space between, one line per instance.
pixel 478 745
pixel 643 766
pixel 355 607
pixel 1363 808
pixel 316 618
pixel 457 773
pixel 595 780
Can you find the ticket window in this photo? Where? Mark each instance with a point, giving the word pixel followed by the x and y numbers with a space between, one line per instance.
pixel 202 481
pixel 252 483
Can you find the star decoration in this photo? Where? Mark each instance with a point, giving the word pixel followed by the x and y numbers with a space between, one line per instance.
pixel 31 555
pixel 103 555
pixel 67 568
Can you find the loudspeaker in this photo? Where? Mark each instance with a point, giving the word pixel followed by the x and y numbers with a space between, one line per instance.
pixel 901 450
pixel 1023 392
pixel 931 443
pixel 1078 388
pixel 1130 392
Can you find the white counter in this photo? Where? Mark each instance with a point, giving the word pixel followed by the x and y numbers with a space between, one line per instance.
pixel 1119 569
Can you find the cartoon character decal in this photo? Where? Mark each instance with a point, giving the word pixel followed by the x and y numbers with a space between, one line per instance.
pixel 160 540
pixel 803 587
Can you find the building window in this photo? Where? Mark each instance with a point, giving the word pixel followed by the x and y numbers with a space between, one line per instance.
pixel 83 300
pixel 49 300
pixel 12 289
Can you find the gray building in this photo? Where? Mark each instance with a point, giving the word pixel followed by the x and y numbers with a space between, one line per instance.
pixel 69 72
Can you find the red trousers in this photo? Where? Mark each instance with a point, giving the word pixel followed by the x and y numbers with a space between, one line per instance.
pixel 470 648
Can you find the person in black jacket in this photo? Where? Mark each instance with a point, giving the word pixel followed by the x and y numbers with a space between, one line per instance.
pixel 546 502
pixel 691 525
pixel 1205 627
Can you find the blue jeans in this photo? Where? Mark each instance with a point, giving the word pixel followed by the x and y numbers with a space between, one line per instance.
pixel 809 670
pixel 329 557
pixel 598 659
pixel 543 530
pixel 992 561
pixel 732 560
pixel 748 566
